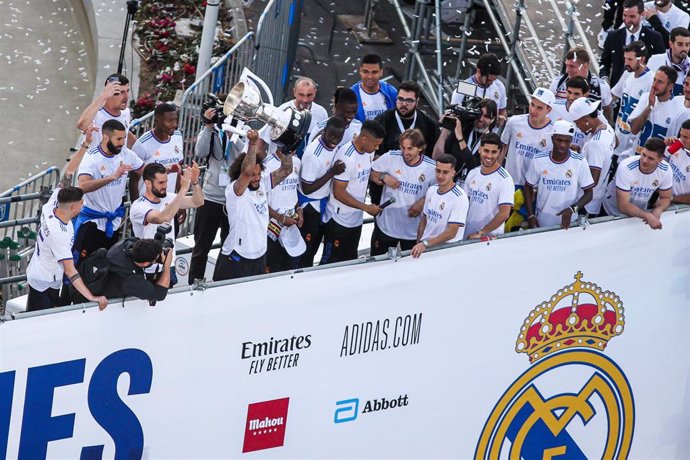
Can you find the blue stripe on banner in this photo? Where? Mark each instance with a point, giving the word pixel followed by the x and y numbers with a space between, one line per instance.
pixel 293 8
pixel 284 78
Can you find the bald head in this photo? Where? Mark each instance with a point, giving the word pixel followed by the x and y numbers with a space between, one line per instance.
pixel 304 92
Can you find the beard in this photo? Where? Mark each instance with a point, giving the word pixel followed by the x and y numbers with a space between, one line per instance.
pixel 404 113
pixel 113 149
pixel 159 193
pixel 253 187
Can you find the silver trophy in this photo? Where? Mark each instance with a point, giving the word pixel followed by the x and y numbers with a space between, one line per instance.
pixel 288 126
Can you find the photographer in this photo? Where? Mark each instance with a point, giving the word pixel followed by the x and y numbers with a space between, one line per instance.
pixel 214 147
pixel 462 140
pixel 488 85
pixel 126 277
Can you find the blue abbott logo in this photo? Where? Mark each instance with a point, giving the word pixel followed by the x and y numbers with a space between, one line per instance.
pixel 346 410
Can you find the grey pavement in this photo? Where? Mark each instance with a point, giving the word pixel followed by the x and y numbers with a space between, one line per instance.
pixel 44 83
pixel 51 71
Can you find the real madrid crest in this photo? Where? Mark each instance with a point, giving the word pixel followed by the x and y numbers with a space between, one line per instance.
pixel 542 143
pixel 422 177
pixel 442 205
pixel 568 174
pixel 655 183
pixel 572 391
pixel 488 187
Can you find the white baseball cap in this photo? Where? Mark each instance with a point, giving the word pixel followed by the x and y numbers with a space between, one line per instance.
pixel 544 95
pixel 564 128
pixel 292 241
pixel 581 107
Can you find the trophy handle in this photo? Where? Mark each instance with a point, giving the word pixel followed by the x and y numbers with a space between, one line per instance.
pixel 251 78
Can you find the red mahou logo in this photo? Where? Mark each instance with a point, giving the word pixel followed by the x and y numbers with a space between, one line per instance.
pixel 265 427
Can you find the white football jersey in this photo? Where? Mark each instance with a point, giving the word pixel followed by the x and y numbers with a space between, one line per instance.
pixel 373 104
pixel 141 228
pixel 356 175
pixel 53 244
pixel 659 121
pixel 657 60
pixel 414 182
pixel 98 164
pixel 674 17
pixel 284 195
pixel 629 90
pixel 167 153
pixel 524 143
pixel 316 161
pixel 441 209
pixel 351 131
pixel 102 116
pixel 248 218
pixel 558 185
pixel 318 115
pixel 641 186
pixel 486 192
pixel 680 166
pixel 598 151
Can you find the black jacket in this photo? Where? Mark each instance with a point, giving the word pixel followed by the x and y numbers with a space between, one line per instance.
pixel 612 56
pixel 427 125
pixel 126 279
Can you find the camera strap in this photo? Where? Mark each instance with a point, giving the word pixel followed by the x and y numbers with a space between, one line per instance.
pixel 400 123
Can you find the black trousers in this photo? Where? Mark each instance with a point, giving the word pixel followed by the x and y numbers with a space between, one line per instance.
pixel 277 258
pixel 312 233
pixel 340 242
pixel 209 218
pixel 38 300
pixel 235 266
pixel 89 238
pixel 380 242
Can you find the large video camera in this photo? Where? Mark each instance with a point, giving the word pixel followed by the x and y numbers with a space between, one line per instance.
pixel 211 101
pixel 468 110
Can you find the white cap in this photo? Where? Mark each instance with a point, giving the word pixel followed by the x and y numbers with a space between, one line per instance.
pixel 564 128
pixel 292 241
pixel 581 107
pixel 544 95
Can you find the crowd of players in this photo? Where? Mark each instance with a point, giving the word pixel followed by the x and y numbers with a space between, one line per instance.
pixel 611 144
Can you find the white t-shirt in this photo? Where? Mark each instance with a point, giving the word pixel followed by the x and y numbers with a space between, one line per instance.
pixel 496 91
pixel 151 150
pixel 641 186
pixel 141 228
pixel 680 166
pixel 414 182
pixel 53 244
pixel 248 218
pixel 102 116
pixel 524 143
pixel 486 193
pixel 98 165
pixel 316 161
pixel 351 131
pixel 629 90
pixel 682 114
pixel 598 151
pixel 441 209
pixel 284 195
pixel 674 17
pixel 356 175
pixel 658 60
pixel 558 185
pixel 660 119
pixel 373 104
pixel 318 114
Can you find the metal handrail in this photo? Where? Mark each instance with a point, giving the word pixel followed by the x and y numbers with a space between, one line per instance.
pixel 537 42
pixel 16 188
pixel 262 18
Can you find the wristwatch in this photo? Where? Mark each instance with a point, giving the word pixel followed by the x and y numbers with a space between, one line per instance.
pixel 425 243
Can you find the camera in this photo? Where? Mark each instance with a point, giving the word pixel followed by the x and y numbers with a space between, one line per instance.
pixel 161 236
pixel 211 101
pixel 468 110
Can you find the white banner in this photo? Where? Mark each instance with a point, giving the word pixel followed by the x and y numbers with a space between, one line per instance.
pixel 441 357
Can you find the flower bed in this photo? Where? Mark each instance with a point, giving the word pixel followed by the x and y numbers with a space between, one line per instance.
pixel 168 58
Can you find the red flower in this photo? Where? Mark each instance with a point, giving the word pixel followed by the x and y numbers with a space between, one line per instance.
pixel 189 69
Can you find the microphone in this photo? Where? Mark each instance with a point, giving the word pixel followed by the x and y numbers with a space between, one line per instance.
pixel 387 203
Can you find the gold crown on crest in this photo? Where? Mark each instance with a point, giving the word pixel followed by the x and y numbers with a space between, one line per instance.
pixel 591 319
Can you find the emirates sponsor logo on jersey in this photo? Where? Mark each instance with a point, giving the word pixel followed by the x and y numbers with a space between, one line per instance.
pixel 266 422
